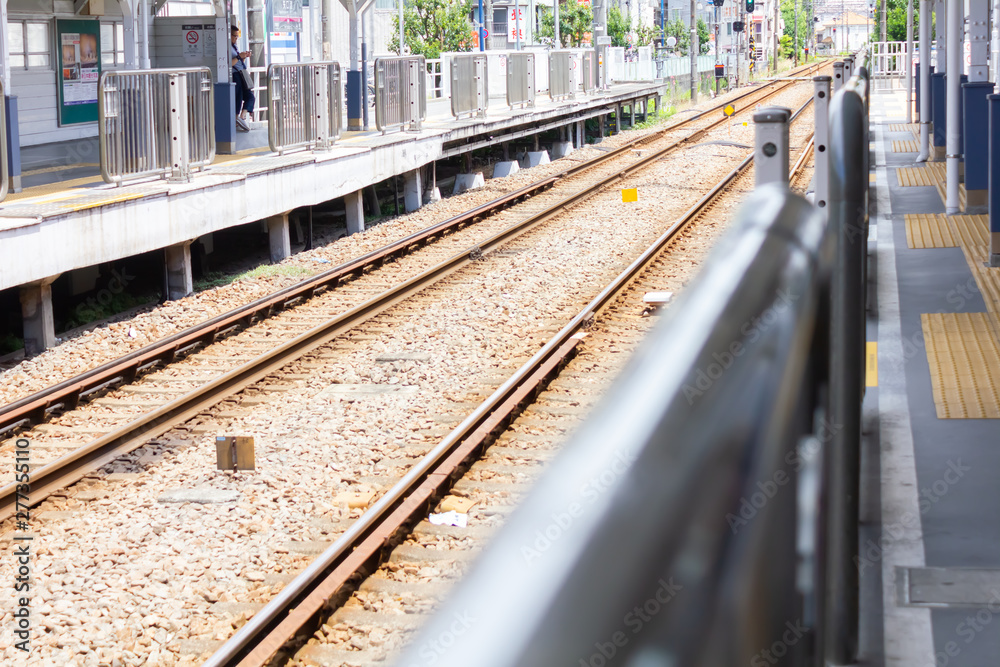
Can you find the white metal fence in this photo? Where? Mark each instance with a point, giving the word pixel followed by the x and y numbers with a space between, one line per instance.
pixel 564 74
pixel 306 105
pixel 400 93
pixel 888 64
pixel 157 122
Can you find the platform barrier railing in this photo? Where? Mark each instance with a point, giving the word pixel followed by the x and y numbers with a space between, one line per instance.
pixel 588 73
pixel 564 74
pixel 157 122
pixel 306 105
pixel 521 80
pixel 400 93
pixel 848 218
pixel 650 534
pixel 4 166
pixel 469 85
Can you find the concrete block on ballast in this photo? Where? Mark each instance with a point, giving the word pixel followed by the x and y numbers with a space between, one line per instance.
pixel 534 158
pixel 465 182
pixel 561 149
pixel 504 169
pixel 432 195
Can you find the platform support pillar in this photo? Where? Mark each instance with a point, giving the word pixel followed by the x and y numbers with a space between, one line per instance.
pixel 180 280
pixel 278 237
pixel 618 119
pixel 821 138
pixel 954 138
pixel 413 189
pixel 354 204
pixel 771 145
pixel 994 179
pixel 975 116
pixel 600 126
pixel 924 83
pixel 631 110
pixel 36 315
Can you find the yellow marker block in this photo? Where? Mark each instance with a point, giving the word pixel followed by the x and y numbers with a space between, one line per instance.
pixel 744 123
pixel 729 110
pixel 630 194
pixel 871 364
pixel 871 178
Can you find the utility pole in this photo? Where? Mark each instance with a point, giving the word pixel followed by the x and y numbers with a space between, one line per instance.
pixel 717 40
pixel 693 49
pixel 774 67
pixel 795 35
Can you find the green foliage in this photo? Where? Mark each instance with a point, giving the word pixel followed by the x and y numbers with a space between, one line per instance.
pixel 788 15
pixel 682 33
pixel 703 44
pixel 895 20
pixel 621 35
pixel 575 21
pixel 785 43
pixel 433 26
pixel 218 278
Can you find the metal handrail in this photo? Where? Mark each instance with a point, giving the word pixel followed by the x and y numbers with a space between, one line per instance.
pixel 306 105
pixel 469 85
pixel 155 123
pixel 400 93
pixel 655 505
pixel 521 83
pixel 4 165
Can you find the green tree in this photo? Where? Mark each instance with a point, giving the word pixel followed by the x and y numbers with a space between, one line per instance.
pixel 682 33
pixel 433 26
pixel 619 30
pixel 895 21
pixel 788 16
pixel 575 21
pixel 703 36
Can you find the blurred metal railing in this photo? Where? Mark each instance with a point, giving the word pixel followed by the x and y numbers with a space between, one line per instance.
pixel 400 93
pixel 707 511
pixel 157 122
pixel 435 79
pixel 469 85
pixel 4 164
pixel 588 73
pixel 564 74
pixel 521 79
pixel 306 105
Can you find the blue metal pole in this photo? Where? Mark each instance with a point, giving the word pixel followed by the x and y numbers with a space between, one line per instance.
pixel 994 175
pixel 482 28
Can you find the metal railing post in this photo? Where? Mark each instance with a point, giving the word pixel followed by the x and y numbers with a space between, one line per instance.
pixel 848 215
pixel 838 76
pixel 4 165
pixel 321 106
pixel 770 157
pixel 178 128
pixel 821 139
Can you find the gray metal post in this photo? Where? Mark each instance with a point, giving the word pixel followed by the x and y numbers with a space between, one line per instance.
pixel 925 81
pixel 179 147
pixel 909 61
pixel 321 105
pixel 770 156
pixel 838 76
pixel 953 119
pixel 821 140
pixel 693 53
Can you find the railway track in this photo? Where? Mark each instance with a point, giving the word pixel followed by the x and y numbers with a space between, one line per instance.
pixel 391 566
pixel 227 354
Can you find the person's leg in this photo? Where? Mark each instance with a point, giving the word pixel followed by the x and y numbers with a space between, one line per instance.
pixel 249 99
pixel 238 93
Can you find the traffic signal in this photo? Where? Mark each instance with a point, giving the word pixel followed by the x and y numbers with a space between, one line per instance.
pixel 750 6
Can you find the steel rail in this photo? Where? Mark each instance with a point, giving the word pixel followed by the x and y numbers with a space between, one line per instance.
pixel 68 394
pixel 76 464
pixel 364 545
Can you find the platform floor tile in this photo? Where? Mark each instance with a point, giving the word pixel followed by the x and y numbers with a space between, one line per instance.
pixel 973 234
pixel 932 230
pixel 964 360
pixel 911 146
pixel 904 127
pixel 915 176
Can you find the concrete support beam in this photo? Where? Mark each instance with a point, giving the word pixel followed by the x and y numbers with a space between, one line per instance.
pixel 561 149
pixel 413 190
pixel 36 315
pixel 355 212
pixel 602 130
pixel 180 281
pixel 279 238
pixel 631 109
pixel 618 118
pixel 465 182
pixel 953 84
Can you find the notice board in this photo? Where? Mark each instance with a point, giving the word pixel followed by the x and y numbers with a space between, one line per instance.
pixel 78 70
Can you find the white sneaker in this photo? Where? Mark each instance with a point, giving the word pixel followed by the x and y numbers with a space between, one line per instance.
pixel 241 124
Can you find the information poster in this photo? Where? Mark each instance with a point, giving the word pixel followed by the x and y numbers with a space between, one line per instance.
pixel 286 16
pixel 79 70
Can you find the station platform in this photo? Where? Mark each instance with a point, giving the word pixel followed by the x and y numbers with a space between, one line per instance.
pixel 930 543
pixel 67 217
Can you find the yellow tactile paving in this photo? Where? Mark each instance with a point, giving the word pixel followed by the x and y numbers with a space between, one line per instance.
pixel 71 187
pixel 904 127
pixel 905 146
pixel 914 176
pixel 964 360
pixel 925 230
pixel 973 234
pixel 942 187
